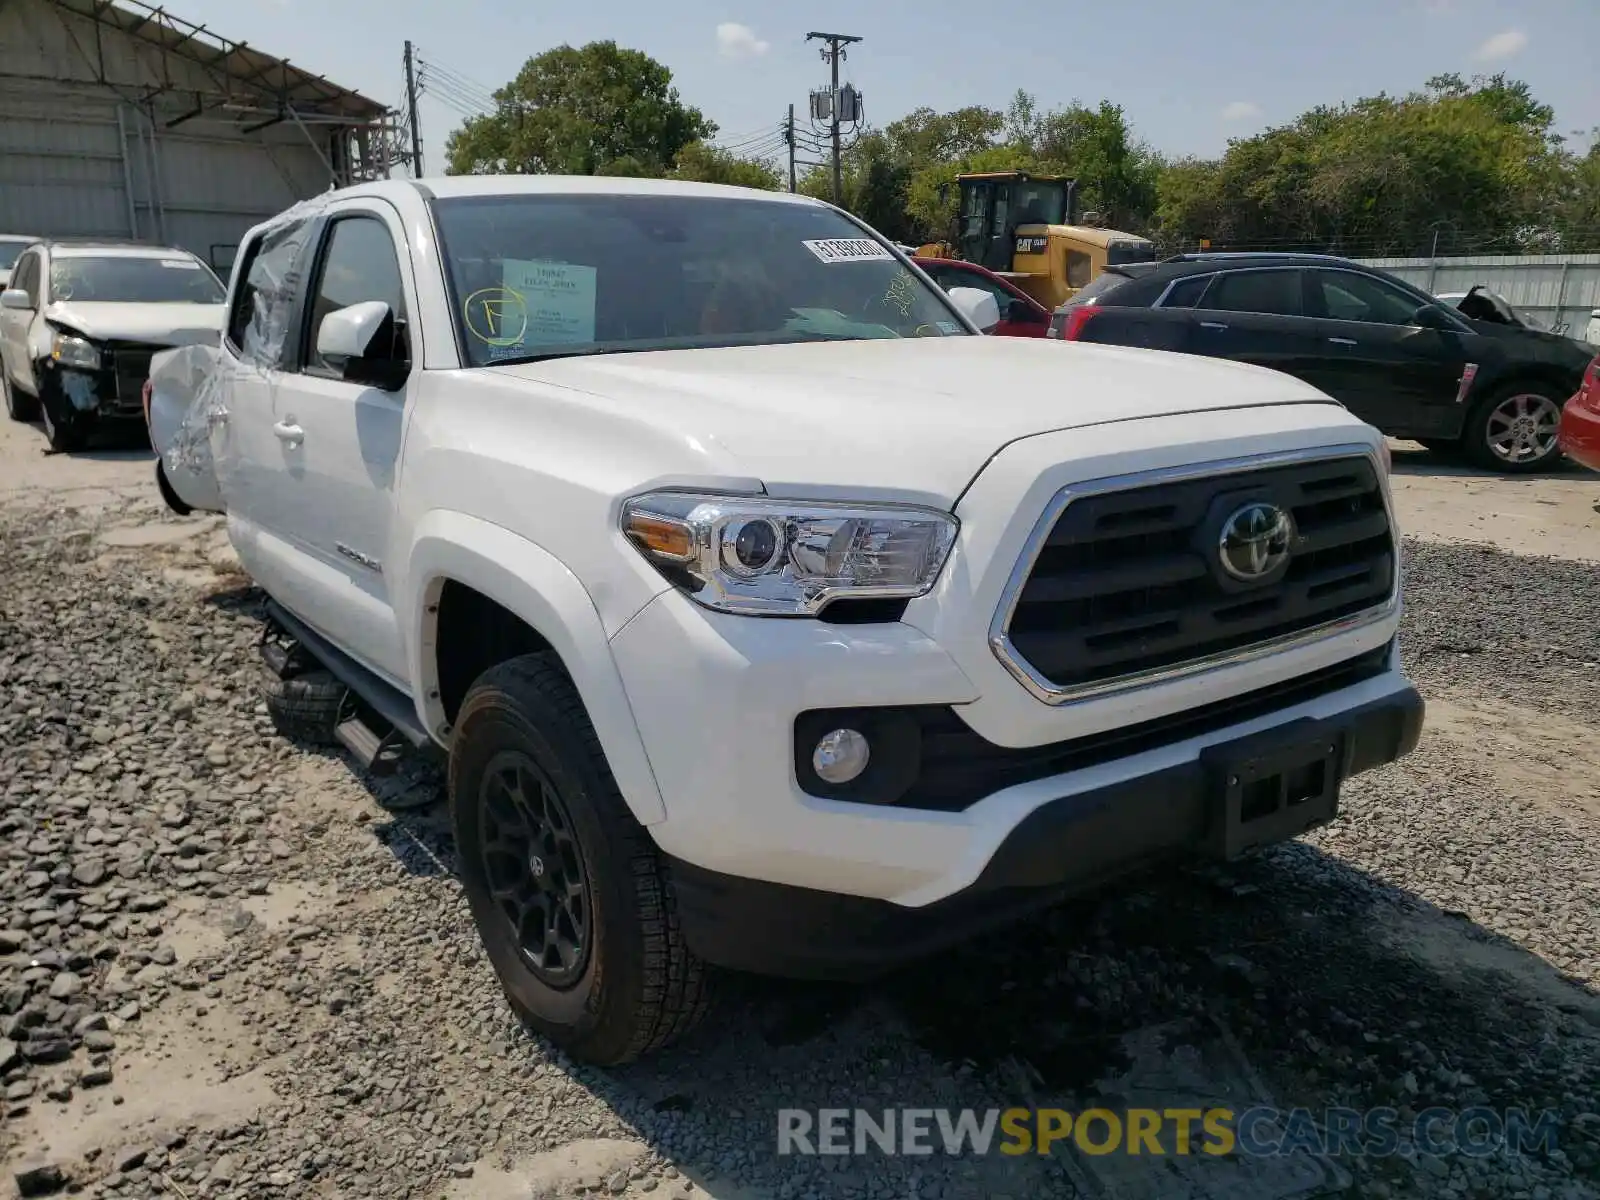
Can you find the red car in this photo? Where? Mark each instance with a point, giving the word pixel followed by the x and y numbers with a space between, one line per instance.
pixel 1020 314
pixel 1579 435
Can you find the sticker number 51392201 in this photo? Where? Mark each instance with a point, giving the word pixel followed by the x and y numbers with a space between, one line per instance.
pixel 836 250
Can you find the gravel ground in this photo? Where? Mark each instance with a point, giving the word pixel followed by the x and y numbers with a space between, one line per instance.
pixel 230 967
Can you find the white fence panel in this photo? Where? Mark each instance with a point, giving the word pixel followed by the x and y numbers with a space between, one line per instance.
pixel 1554 289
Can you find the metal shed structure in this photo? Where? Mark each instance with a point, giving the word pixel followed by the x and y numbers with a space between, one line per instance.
pixel 122 120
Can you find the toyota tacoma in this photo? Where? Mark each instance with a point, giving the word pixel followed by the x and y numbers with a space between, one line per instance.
pixel 772 617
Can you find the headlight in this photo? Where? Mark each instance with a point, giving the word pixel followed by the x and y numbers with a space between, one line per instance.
pixel 750 554
pixel 77 352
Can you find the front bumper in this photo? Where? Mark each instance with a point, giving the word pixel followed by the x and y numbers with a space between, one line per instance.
pixel 716 699
pixel 1064 846
pixel 1580 434
pixel 111 392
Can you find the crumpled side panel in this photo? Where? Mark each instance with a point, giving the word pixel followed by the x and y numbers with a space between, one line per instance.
pixel 191 387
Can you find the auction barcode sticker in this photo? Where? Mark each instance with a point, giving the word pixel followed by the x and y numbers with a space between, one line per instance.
pixel 834 250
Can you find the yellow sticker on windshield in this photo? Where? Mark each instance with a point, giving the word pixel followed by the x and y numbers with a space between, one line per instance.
pixel 496 316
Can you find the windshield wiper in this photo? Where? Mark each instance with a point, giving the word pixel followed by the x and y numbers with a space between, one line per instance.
pixel 547 355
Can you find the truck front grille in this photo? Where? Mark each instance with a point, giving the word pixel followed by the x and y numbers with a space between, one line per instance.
pixel 130 367
pixel 1132 582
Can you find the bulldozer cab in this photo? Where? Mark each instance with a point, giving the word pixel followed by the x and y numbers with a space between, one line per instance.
pixel 991 207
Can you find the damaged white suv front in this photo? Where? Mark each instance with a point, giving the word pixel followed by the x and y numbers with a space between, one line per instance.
pixel 80 321
pixel 770 616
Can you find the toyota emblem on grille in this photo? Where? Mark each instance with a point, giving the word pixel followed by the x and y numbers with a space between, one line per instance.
pixel 1255 541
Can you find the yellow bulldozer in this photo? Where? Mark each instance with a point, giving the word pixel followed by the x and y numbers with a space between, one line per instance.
pixel 1027 228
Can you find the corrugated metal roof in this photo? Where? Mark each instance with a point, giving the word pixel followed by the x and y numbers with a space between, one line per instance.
pixel 236 62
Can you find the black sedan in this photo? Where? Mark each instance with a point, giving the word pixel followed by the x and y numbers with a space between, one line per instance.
pixel 1395 356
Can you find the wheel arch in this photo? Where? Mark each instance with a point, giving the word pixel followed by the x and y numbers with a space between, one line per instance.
pixel 1512 375
pixel 480 594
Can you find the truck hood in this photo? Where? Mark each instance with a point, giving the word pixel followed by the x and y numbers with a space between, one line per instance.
pixel 158 324
pixel 918 416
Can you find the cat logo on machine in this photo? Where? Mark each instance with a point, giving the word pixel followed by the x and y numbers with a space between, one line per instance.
pixel 1032 245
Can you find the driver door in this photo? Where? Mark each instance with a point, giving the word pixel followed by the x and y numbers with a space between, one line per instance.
pixel 1381 365
pixel 337 445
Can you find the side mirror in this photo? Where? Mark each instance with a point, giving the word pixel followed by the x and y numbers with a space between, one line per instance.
pixel 360 340
pixel 16 299
pixel 1429 317
pixel 978 306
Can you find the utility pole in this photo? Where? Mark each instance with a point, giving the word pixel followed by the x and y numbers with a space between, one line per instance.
pixel 788 136
pixel 835 51
pixel 411 113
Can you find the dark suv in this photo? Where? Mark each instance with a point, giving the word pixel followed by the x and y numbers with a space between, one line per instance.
pixel 1393 355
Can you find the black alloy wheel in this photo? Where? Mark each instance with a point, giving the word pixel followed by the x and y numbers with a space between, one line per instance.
pixel 534 869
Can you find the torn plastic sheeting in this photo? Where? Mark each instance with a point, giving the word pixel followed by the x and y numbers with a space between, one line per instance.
pixel 186 403
pixel 79 389
pixel 193 384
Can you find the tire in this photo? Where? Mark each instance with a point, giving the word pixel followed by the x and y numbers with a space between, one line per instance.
pixel 19 405
pixel 1507 408
pixel 624 983
pixel 304 708
pixel 66 433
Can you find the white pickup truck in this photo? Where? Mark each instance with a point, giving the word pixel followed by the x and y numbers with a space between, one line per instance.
pixel 770 616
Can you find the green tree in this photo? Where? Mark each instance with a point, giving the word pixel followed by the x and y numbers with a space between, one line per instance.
pixel 699 163
pixel 577 111
pixel 1471 166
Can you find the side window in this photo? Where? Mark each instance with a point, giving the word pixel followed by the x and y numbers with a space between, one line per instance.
pixel 1002 212
pixel 1078 267
pixel 359 264
pixel 975 204
pixel 1347 296
pixel 1275 293
pixel 28 276
pixel 263 306
pixel 1186 292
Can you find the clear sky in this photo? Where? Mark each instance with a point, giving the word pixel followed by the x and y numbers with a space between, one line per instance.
pixel 1189 74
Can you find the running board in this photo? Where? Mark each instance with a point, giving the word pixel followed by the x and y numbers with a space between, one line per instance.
pixel 386 700
pixel 377 753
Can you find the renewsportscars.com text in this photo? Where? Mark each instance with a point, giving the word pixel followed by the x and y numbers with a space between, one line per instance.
pixel 1256 1132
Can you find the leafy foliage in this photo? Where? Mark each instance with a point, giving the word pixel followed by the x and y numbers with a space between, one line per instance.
pixel 579 112
pixel 699 162
pixel 1459 165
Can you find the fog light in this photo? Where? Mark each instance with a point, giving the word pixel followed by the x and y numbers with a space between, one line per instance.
pixel 840 756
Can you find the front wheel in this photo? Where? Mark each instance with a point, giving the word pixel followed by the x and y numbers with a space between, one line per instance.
pixel 1514 429
pixel 566 888
pixel 19 405
pixel 65 430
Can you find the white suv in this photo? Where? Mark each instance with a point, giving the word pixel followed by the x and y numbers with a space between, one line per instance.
pixel 770 615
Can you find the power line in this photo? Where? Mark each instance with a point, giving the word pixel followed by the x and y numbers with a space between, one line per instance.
pixel 456 99
pixel 462 81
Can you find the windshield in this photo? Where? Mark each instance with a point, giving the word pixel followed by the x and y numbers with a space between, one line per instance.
pixel 545 276
pixel 127 279
pixel 10 252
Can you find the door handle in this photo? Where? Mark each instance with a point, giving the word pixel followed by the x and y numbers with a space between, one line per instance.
pixel 1212 325
pixel 1343 341
pixel 289 433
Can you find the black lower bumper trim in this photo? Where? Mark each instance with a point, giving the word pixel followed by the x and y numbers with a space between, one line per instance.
pixel 1064 847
